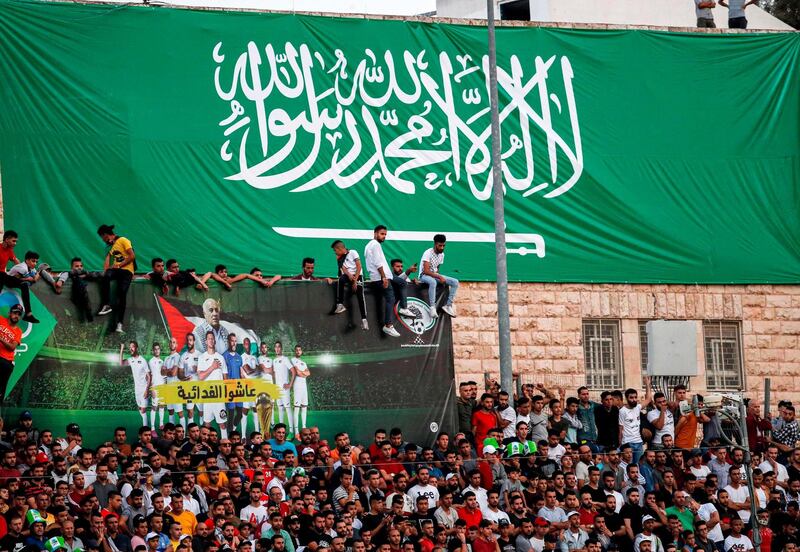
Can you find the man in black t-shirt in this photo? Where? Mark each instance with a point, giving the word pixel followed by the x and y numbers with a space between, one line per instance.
pixel 632 514
pixel 14 540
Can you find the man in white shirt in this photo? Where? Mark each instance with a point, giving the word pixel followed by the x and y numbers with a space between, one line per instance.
pixel 249 371
pixel 350 277
pixel 429 274
pixel 380 275
pixel 171 367
pixel 738 494
pixel 188 372
pixel 299 385
pixel 771 464
pixel 630 420
pixel 662 419
pixel 282 371
pixel 140 370
pixel 158 376
pixel 424 488
pixel 211 367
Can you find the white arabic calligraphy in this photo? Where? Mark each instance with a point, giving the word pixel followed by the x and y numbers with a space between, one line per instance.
pixel 405 126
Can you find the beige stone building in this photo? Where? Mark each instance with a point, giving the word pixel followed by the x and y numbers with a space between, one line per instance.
pixel 594 334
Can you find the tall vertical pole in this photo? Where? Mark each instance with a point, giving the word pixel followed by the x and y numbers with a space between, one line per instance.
pixel 503 318
pixel 748 471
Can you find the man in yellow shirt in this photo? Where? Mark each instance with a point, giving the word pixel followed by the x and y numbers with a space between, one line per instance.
pixel 186 518
pixel 119 266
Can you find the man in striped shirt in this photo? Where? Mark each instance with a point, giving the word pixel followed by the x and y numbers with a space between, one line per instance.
pixel 429 274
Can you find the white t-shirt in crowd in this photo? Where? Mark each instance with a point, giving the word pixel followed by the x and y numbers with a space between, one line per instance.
pixel 511 415
pixel 781 475
pixel 668 427
pixel 434 259
pixel 374 258
pixel 737 544
pixel 739 495
pixel 630 422
pixel 704 512
pixel 428 491
pixel 349 262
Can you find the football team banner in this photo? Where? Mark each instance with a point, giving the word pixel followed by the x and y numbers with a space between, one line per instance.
pixel 339 376
pixel 627 155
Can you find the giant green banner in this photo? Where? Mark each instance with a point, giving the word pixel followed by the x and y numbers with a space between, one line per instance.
pixel 359 380
pixel 250 138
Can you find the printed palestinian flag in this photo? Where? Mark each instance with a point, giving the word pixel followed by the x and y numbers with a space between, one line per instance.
pixel 181 318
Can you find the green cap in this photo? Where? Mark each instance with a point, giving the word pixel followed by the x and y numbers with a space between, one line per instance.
pixel 55 543
pixel 33 516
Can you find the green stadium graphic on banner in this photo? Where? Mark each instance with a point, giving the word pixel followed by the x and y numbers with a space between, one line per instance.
pixel 628 156
pixel 34 336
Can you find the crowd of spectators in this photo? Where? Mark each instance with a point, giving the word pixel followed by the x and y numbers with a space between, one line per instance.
pixel 539 472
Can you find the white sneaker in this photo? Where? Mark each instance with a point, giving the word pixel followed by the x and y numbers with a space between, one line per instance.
pixel 434 313
pixel 389 330
pixel 449 310
pixel 119 328
pixel 406 312
pixel 364 324
pixel 104 310
pixel 339 309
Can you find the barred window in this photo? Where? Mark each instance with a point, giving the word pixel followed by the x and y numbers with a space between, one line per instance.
pixel 643 345
pixel 603 354
pixel 723 353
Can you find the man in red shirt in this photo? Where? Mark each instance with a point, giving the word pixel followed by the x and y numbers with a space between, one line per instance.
pixel 10 338
pixel 7 255
pixel 484 419
pixel 470 513
pixel 486 541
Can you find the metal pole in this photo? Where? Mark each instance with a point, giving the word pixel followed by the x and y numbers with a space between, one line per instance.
pixel 749 475
pixel 503 317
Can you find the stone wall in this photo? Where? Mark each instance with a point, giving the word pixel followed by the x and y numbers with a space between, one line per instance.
pixel 546 329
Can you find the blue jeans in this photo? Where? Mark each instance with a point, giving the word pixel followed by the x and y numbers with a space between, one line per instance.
pixel 452 288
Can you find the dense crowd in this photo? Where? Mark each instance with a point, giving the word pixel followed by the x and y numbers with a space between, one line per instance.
pixel 537 472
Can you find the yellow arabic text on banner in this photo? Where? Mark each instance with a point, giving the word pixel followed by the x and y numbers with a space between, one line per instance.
pixel 235 390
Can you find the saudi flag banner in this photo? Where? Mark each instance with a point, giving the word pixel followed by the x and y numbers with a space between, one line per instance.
pixel 33 335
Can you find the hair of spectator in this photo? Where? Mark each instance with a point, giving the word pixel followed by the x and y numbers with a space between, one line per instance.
pixel 31 255
pixel 439 238
pixel 308 260
pixel 105 230
pixel 8 234
pixel 379 228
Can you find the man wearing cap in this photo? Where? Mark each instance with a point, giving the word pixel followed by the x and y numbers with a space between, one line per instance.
pixel 152 541
pixel 574 537
pixel 37 525
pixel 10 338
pixel 648 523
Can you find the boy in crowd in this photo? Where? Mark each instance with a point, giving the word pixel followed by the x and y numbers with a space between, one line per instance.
pixel 7 255
pixel 429 274
pixel 350 277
